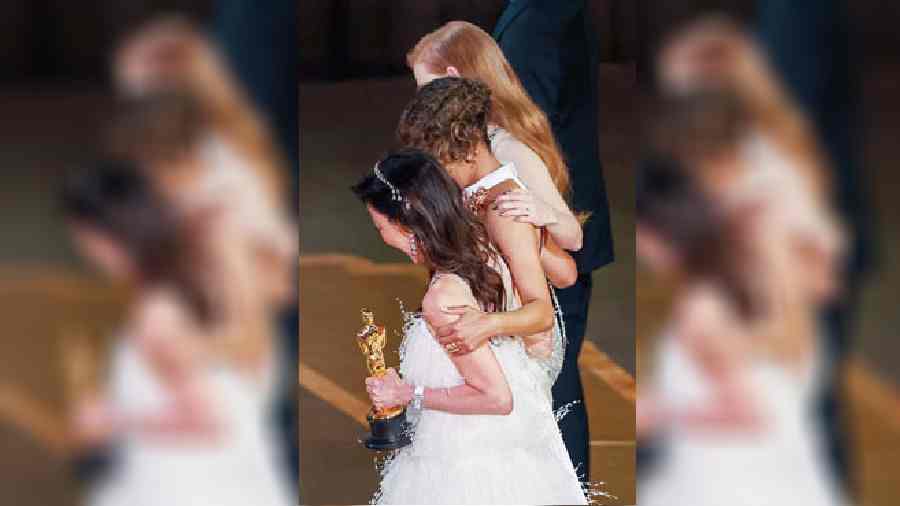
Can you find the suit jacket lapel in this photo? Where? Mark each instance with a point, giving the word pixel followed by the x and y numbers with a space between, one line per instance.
pixel 509 14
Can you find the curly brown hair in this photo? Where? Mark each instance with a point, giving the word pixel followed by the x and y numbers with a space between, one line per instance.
pixel 447 118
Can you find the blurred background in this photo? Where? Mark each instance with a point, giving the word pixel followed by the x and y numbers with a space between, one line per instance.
pixel 830 60
pixel 60 314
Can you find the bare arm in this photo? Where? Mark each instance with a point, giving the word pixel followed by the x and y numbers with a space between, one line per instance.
pixel 549 207
pixel 714 341
pixel 559 265
pixel 519 244
pixel 485 389
pixel 167 344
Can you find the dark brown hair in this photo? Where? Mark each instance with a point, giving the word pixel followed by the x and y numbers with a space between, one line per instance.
pixel 116 199
pixel 449 237
pixel 448 117
pixel 671 203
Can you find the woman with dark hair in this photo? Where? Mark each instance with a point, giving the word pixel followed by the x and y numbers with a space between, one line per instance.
pixel 190 419
pixel 737 367
pixel 484 430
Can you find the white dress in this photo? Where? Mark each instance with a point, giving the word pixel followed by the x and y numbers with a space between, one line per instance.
pixel 518 458
pixel 782 465
pixel 238 468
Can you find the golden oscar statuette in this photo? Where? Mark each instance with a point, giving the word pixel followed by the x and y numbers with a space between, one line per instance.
pixel 388 426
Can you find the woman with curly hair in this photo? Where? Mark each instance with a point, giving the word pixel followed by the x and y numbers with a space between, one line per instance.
pixel 448 119
pixel 519 131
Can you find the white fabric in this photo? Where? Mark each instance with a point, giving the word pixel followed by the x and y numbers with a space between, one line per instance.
pixel 782 465
pixel 519 458
pixel 237 469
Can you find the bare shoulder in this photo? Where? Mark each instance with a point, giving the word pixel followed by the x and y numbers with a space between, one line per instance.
pixel 702 302
pixel 702 307
pixel 161 324
pixel 160 313
pixel 446 290
pixel 506 230
pixel 708 324
pixel 484 199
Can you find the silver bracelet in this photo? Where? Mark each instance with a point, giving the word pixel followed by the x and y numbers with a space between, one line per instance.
pixel 418 397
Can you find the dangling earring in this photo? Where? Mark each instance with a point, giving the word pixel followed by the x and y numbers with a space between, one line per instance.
pixel 413 249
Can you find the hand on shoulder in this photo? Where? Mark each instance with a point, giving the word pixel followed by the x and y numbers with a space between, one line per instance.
pixel 446 291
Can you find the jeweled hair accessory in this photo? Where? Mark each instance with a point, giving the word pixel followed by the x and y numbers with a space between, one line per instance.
pixel 395 193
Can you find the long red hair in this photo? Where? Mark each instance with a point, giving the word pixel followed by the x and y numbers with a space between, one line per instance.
pixel 477 56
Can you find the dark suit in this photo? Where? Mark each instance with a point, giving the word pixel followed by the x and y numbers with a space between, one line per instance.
pixel 809 44
pixel 553 48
